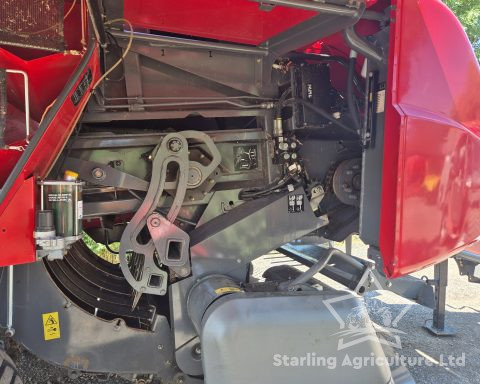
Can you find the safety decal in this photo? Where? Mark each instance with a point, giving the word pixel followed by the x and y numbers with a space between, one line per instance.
pixel 51 326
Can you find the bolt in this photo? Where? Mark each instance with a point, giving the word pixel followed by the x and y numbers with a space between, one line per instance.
pixel 155 222
pixel 160 347
pixel 388 284
pixel 197 349
pixel 98 173
pixel 175 145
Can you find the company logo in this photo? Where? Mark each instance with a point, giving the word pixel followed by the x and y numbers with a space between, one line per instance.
pixel 357 327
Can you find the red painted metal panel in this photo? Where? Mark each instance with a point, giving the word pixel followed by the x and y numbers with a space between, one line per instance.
pixel 239 21
pixel 17 224
pixel 47 75
pixel 16 214
pixel 431 173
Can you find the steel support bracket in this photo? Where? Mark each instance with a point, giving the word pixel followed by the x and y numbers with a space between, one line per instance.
pixel 440 282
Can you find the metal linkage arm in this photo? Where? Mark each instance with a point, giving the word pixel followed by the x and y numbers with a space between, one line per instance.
pixel 169 242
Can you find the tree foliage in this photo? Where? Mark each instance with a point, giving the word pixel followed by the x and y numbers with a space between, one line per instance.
pixel 468 12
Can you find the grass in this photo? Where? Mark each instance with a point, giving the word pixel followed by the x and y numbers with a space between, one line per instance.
pixel 101 251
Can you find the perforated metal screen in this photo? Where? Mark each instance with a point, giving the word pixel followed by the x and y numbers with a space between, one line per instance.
pixel 32 24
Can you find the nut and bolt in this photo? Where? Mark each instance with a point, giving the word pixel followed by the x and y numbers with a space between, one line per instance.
pixel 175 145
pixel 98 173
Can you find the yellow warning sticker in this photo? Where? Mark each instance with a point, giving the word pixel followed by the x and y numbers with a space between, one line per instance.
pixel 221 291
pixel 51 326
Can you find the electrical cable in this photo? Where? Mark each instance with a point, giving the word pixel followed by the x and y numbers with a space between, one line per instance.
pixel 107 244
pixel 127 49
pixel 253 193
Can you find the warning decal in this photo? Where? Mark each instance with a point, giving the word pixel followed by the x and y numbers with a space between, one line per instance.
pixel 51 326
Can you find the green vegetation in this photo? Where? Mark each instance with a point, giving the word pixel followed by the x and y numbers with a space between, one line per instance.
pixel 468 12
pixel 101 250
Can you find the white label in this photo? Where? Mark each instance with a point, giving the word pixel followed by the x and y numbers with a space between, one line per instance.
pixel 381 101
pixel 59 197
pixel 80 209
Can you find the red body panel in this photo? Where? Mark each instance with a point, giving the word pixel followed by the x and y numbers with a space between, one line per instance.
pixel 239 21
pixel 16 213
pixel 431 173
pixel 47 76
pixel 17 223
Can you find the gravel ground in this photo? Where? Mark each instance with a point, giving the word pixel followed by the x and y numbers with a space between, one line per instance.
pixel 463 314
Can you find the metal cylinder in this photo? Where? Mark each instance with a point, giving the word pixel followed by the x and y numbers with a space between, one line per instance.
pixel 205 292
pixel 44 221
pixel 64 199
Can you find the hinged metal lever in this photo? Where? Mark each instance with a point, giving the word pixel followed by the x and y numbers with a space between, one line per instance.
pixel 169 245
pixel 153 279
pixel 172 244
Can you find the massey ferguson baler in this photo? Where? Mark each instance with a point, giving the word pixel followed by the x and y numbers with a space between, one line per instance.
pixel 191 138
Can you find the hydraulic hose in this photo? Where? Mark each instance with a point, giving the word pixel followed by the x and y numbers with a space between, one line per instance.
pixel 352 106
pixel 308 274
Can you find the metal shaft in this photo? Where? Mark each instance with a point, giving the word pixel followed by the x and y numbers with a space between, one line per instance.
pixel 10 331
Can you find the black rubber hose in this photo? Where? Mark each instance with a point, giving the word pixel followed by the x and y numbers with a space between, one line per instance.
pixel 281 102
pixel 352 106
pixel 321 112
pixel 107 244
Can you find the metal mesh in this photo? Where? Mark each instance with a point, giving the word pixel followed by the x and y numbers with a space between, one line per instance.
pixel 32 24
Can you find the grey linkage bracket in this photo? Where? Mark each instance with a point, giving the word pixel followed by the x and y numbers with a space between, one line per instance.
pixel 168 242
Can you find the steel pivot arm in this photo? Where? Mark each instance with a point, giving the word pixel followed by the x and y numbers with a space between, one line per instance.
pixel 169 242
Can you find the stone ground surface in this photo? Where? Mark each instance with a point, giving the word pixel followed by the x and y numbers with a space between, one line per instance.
pixel 463 314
